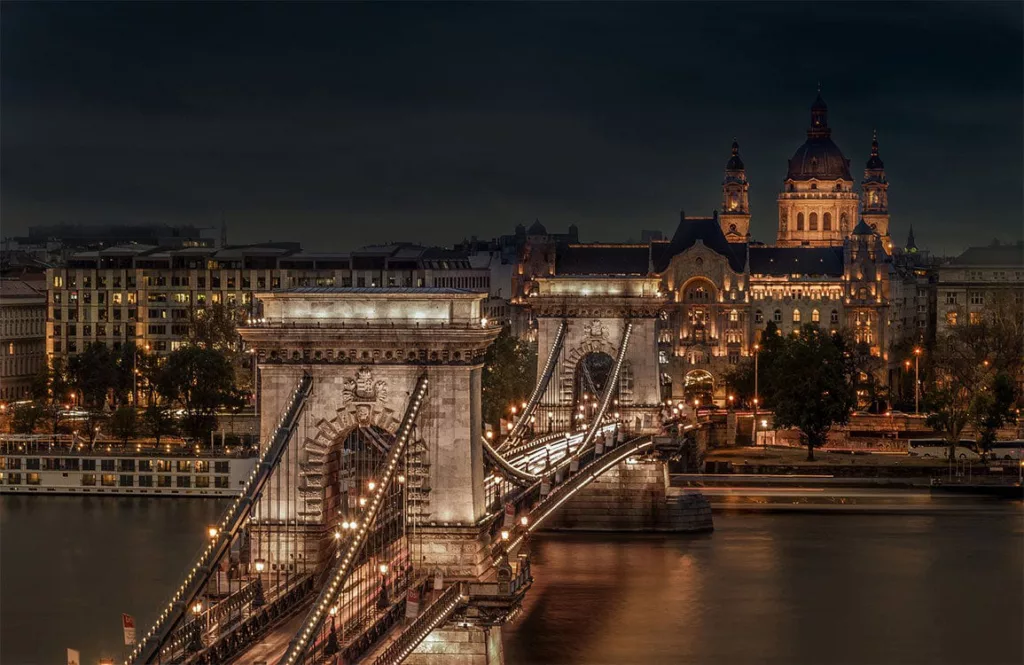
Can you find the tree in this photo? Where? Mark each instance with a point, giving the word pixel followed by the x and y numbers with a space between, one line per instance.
pixel 94 373
pixel 993 408
pixel 967 359
pixel 159 421
pixel 56 393
pixel 216 327
pixel 811 389
pixel 741 379
pixel 200 381
pixel 124 423
pixel 864 369
pixel 26 417
pixel 509 375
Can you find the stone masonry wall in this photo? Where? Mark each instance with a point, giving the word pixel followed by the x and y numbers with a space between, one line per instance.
pixel 633 497
pixel 471 645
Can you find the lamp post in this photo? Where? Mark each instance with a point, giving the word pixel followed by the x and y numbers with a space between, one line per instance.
pixel 917 381
pixel 757 348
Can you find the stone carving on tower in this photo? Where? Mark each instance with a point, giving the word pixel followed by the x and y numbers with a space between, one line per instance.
pixel 875 196
pixel 595 329
pixel 817 195
pixel 363 398
pixel 735 217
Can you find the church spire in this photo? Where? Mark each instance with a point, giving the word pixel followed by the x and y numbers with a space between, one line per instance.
pixel 911 247
pixel 735 163
pixel 875 162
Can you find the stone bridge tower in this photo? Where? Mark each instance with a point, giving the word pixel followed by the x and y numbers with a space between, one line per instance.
pixel 596 310
pixel 365 350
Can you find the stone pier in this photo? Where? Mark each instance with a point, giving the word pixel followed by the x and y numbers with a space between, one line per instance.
pixel 470 645
pixel 634 497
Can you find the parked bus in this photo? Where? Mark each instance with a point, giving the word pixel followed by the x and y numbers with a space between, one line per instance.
pixel 940 448
pixel 1008 450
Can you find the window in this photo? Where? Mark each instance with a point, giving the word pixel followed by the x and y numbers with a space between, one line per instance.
pixel 202 481
pixel 32 463
pixel 777 316
pixel 758 317
pixel 951 318
pixel 815 316
pixel 108 480
pixel 796 316
pixel 126 481
pixel 977 298
pixel 813 221
pixel 13 478
pixel 184 466
pixel 126 465
pixel 163 481
pixel 88 479
pixel 88 465
pixel 734 315
pixel 202 466
pixel 950 297
pixel 146 466
pixel 183 481
pixel 975 318
pixel 31 478
pixel 220 467
pixel 800 222
pixel 826 222
pixel 106 465
pixel 834 317
pixel 145 481
pixel 221 482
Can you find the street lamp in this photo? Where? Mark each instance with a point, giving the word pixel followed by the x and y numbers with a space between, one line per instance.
pixel 212 531
pixel 917 381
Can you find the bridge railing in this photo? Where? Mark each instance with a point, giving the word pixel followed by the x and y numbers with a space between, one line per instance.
pixel 357 540
pixel 437 613
pixel 204 564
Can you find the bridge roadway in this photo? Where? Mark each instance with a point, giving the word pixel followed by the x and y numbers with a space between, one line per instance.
pixel 272 647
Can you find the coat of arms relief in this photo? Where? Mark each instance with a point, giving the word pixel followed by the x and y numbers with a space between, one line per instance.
pixel 364 401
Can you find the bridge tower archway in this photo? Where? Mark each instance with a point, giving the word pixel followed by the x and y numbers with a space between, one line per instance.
pixel 595 312
pixel 698 384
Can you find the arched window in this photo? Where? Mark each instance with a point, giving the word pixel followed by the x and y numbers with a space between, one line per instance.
pixel 814 221
pixel 815 317
pixel 734 315
pixel 814 185
pixel 777 316
pixel 796 316
pixel 758 317
pixel 826 222
pixel 834 317
pixel 800 221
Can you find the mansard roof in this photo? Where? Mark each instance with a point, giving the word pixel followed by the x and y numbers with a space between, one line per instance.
pixel 992 255
pixel 603 259
pixel 827 261
pixel 709 232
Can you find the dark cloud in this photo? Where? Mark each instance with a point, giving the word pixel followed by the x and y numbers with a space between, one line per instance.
pixel 344 124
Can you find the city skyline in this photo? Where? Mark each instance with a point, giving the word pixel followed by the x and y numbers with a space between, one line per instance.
pixel 358 125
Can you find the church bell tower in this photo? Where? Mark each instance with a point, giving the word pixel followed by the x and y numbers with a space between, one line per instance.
pixel 735 217
pixel 875 196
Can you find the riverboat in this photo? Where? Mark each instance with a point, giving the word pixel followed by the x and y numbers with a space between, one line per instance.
pixel 59 465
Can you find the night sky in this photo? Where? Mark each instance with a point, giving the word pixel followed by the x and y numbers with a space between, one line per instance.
pixel 340 125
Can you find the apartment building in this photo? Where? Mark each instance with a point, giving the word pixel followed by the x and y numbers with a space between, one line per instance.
pixel 147 294
pixel 22 335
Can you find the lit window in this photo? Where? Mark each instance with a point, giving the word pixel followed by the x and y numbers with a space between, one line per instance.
pixel 815 317
pixel 951 318
pixel 975 318
pixel 758 317
pixel 796 316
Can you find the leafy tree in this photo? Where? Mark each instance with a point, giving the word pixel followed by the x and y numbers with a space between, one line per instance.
pixel 159 421
pixel 509 375
pixel 94 374
pixel 26 417
pixel 993 408
pixel 200 381
pixel 124 424
pixel 811 388
pixel 864 369
pixel 741 379
pixel 56 393
pixel 967 359
pixel 216 327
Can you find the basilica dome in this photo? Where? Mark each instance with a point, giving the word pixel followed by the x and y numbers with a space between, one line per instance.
pixel 819 157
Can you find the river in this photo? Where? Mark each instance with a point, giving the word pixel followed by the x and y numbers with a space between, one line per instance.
pixel 943 587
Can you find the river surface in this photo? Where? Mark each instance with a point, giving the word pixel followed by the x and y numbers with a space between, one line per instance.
pixel 872 589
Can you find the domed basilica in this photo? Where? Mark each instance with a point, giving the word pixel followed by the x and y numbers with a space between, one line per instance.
pixel 830 264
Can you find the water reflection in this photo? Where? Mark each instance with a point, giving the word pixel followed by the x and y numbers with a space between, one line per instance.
pixel 786 589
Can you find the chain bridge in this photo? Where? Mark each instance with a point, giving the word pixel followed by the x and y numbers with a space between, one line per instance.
pixel 379 525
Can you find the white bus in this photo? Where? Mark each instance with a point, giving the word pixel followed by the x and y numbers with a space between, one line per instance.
pixel 1007 450
pixel 940 448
